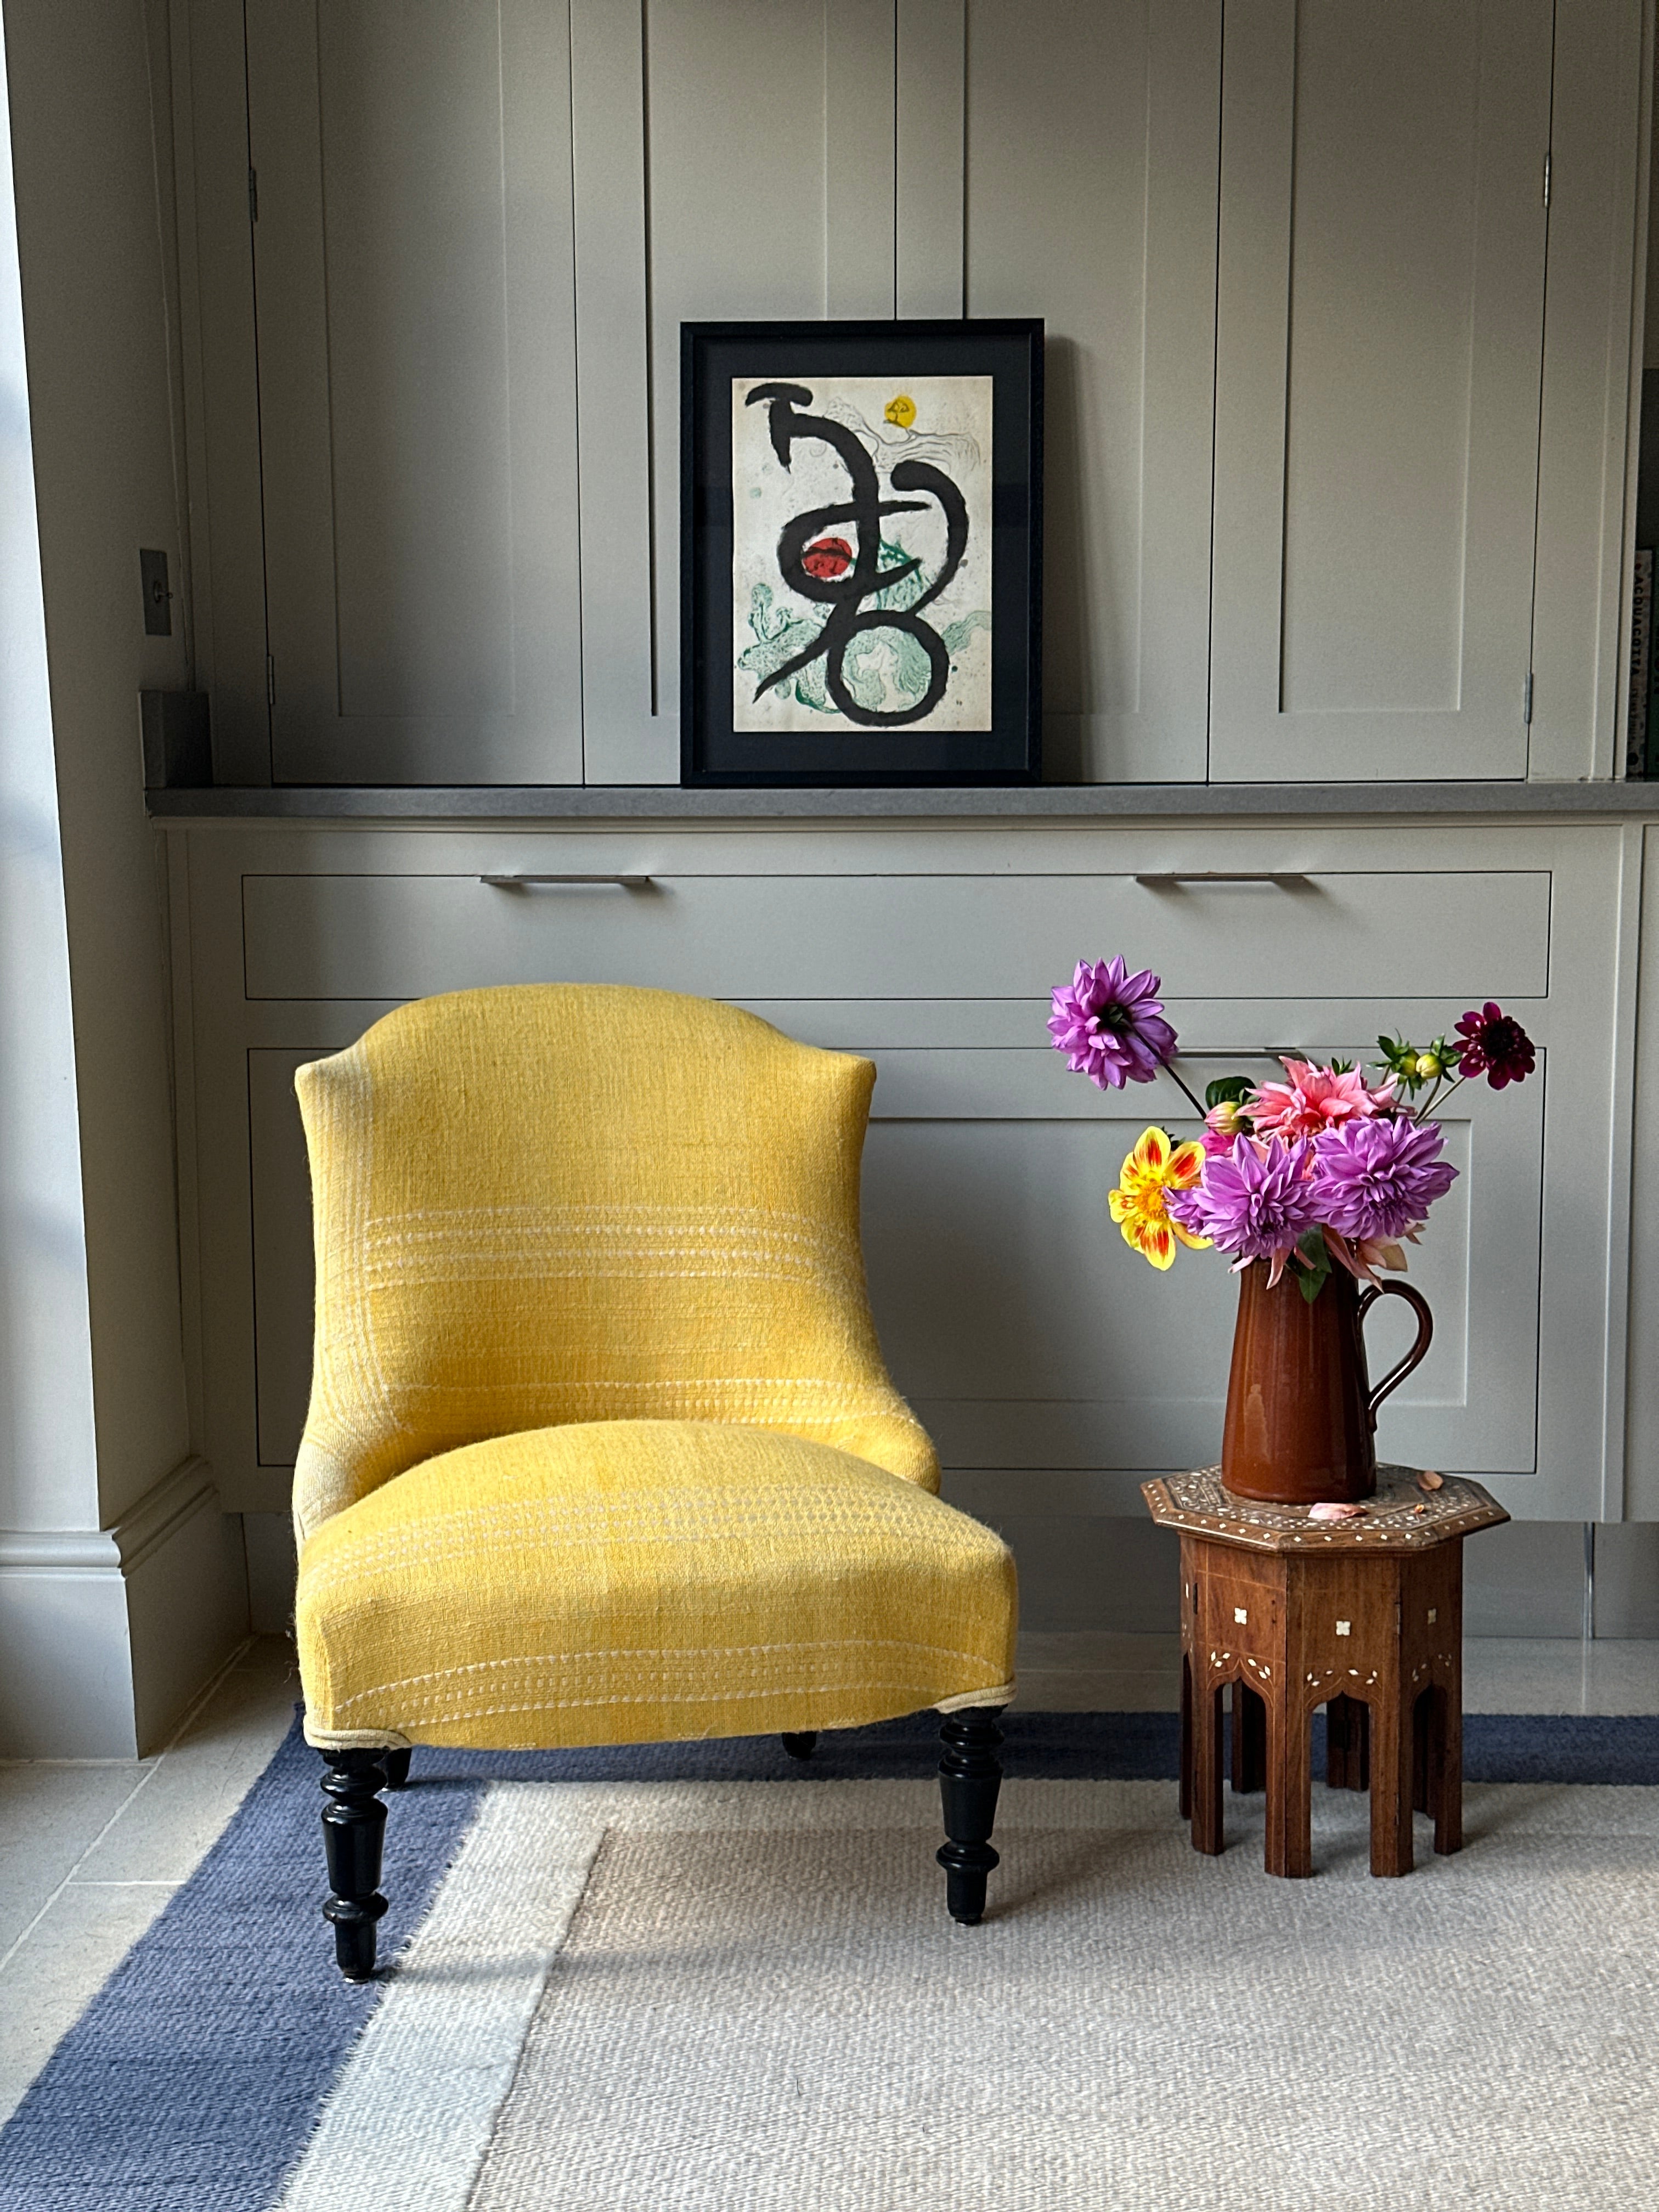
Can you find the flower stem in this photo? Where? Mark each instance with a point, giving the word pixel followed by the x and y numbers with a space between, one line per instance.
pixel 1442 1089
pixel 1193 1102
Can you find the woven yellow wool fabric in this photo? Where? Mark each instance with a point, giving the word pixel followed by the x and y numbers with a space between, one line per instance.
pixel 552 1203
pixel 600 1221
pixel 632 1582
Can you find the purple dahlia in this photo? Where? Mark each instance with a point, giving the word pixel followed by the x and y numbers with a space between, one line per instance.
pixel 1109 1022
pixel 1494 1043
pixel 1377 1179
pixel 1255 1202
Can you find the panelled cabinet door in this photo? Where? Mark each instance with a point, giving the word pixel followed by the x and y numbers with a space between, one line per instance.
pixel 1092 136
pixel 1379 344
pixel 413 258
pixel 733 162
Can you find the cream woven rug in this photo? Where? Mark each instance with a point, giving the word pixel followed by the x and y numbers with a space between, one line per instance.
pixel 701 1996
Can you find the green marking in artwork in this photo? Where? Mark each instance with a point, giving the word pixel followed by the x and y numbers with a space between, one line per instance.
pixel 877 662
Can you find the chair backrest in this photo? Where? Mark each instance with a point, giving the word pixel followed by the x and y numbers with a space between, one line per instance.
pixel 555 1203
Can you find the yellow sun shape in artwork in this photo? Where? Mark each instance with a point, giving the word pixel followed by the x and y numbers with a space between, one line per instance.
pixel 901 410
pixel 1154 1168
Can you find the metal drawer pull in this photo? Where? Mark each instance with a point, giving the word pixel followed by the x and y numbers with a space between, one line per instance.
pixel 519 882
pixel 1166 881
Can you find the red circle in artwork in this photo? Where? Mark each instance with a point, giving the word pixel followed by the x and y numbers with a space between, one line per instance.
pixel 827 557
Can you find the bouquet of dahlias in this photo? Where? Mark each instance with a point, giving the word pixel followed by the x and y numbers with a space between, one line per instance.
pixel 1325 1168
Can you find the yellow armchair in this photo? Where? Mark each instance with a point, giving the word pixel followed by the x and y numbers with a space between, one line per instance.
pixel 601 1449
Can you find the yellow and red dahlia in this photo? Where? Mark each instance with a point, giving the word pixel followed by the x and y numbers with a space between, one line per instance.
pixel 1153 1168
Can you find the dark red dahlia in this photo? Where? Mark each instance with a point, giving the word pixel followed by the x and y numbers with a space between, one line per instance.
pixel 1494 1044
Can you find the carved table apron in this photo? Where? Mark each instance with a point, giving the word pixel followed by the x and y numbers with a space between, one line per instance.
pixel 1363 1617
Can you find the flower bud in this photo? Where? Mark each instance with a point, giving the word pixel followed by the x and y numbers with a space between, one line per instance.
pixel 1428 1066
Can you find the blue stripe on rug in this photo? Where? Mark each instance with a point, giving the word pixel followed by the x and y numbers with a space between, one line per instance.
pixel 193 2078
pixel 1065 1748
pixel 193 2081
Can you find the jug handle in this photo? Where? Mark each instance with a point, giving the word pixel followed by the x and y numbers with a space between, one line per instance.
pixel 1396 1375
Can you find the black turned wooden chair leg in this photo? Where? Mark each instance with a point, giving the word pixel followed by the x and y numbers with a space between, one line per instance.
pixel 968 1780
pixel 801 1745
pixel 396 1764
pixel 354 1823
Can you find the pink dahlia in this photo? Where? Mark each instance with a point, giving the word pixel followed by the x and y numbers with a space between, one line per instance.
pixel 1494 1043
pixel 1109 1022
pixel 1256 1203
pixel 1376 1180
pixel 1314 1099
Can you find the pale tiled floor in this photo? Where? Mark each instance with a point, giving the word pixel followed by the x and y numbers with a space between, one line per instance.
pixel 89 1854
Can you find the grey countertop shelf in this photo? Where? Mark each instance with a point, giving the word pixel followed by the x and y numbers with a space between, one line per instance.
pixel 556 804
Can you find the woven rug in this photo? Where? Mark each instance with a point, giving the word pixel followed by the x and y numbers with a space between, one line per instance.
pixel 683 1979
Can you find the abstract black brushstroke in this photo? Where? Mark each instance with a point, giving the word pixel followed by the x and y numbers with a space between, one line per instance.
pixel 845 592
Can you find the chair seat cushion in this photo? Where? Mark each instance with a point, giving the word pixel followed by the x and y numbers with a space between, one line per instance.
pixel 632 1582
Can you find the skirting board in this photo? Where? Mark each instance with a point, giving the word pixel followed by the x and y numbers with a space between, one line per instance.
pixel 271 1568
pixel 105 1634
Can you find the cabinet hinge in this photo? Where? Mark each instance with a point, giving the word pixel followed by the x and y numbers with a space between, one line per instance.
pixel 1546 180
pixel 270 681
pixel 253 195
pixel 1525 698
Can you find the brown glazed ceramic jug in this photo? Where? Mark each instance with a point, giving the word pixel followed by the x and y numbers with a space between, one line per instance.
pixel 1301 1412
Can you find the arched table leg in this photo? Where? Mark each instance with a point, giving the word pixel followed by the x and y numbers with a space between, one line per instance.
pixel 1250 1741
pixel 1208 1831
pixel 1393 1760
pixel 1287 1847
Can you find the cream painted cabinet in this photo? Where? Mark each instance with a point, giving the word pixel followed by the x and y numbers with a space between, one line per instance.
pixel 1054 158
pixel 477 232
pixel 1089 176
pixel 1052 1365
pixel 415 317
pixel 1379 355
pixel 734 161
pixel 1641 1486
pixel 1330 471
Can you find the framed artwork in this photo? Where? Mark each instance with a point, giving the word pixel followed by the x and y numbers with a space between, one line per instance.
pixel 860 552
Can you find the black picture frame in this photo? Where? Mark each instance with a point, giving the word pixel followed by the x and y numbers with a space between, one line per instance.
pixel 712 355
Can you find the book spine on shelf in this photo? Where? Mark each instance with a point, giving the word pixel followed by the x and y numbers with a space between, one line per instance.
pixel 1641 666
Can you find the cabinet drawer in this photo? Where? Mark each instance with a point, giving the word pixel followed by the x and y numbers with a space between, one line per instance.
pixel 1050 1363
pixel 1332 934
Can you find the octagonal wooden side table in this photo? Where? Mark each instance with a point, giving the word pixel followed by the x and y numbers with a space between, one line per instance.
pixel 1363 1617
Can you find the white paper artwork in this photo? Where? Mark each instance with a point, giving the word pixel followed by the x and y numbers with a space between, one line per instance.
pixel 861 553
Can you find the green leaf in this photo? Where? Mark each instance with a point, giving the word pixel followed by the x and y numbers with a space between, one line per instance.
pixel 1310 1280
pixel 1231 1088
